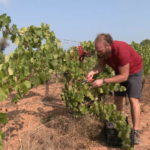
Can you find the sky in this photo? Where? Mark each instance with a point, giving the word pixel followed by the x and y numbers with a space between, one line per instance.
pixel 82 20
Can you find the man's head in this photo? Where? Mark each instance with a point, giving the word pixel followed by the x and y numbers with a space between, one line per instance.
pixel 103 45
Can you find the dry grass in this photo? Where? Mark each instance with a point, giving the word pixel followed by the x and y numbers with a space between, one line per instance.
pixel 65 133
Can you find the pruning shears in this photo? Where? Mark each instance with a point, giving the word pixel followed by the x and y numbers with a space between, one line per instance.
pixel 87 80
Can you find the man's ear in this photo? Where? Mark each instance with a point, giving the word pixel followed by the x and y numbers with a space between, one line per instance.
pixel 107 45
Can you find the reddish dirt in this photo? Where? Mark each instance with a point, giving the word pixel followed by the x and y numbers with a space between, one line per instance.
pixel 25 117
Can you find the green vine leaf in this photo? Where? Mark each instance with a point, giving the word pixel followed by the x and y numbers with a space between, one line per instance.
pixel 3 118
pixel 3 95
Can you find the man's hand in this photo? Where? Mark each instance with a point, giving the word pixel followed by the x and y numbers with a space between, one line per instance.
pixel 90 75
pixel 97 83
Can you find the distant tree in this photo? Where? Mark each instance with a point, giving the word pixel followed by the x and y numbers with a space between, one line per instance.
pixel 145 42
pixel 3 44
pixel 2 58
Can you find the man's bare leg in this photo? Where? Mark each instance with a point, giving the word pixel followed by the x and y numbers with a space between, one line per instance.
pixel 119 100
pixel 135 112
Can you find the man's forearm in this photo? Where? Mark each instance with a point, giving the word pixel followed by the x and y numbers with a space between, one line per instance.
pixel 116 79
pixel 97 69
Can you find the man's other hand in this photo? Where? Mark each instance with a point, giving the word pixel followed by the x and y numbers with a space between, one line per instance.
pixel 97 83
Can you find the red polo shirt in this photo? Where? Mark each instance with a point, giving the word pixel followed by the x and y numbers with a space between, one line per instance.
pixel 122 54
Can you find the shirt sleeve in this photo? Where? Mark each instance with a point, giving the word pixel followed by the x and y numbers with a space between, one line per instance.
pixel 123 55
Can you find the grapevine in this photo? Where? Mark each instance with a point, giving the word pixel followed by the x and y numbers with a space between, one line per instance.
pixel 74 94
pixel 31 63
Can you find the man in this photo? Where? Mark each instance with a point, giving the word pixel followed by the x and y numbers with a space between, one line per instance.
pixel 127 64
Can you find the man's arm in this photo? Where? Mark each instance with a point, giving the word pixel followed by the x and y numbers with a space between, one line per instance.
pixel 123 75
pixel 99 67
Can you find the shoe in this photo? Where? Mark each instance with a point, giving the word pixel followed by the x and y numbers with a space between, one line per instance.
pixel 137 139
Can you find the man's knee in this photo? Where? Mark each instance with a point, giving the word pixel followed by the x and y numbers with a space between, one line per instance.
pixel 119 103
pixel 119 98
pixel 133 100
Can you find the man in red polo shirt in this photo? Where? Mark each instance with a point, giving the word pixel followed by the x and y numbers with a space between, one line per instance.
pixel 127 64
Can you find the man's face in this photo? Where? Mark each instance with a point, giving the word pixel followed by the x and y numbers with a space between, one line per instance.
pixel 103 51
